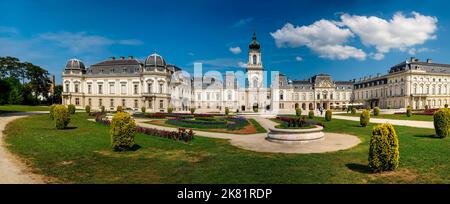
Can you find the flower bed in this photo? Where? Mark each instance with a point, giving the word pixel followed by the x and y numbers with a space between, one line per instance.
pixel 425 112
pixel 182 134
pixel 297 122
pixel 230 123
pixel 180 115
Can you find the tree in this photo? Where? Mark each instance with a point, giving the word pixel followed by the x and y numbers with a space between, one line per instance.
pixel 38 80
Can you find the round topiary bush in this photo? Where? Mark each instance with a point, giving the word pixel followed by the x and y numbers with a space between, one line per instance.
pixel 119 109
pixel 88 109
pixel 328 115
pixel 52 112
pixel 376 111
pixel 61 116
pixel 311 114
pixel 227 111
pixel 170 109
pixel 192 110
pixel 255 109
pixel 409 111
pixel 143 109
pixel 446 106
pixel 71 109
pixel 442 122
pixel 364 118
pixel 102 109
pixel 298 111
pixel 122 132
pixel 353 111
pixel 383 151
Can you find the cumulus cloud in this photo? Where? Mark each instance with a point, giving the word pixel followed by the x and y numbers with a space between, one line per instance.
pixel 323 37
pixel 400 32
pixel 414 51
pixel 235 50
pixel 242 64
pixel 330 39
pixel 298 59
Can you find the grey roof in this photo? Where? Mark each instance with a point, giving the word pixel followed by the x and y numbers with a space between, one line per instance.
pixel 75 64
pixel 155 60
pixel 427 66
pixel 116 66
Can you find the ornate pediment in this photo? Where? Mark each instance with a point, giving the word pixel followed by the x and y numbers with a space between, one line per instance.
pixel 324 84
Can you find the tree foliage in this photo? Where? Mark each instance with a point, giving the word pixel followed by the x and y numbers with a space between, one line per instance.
pixel 384 149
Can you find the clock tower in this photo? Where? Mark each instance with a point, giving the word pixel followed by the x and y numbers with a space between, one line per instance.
pixel 254 65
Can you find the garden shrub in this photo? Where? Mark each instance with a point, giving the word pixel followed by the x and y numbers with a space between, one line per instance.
pixel 71 108
pixel 88 109
pixel 426 107
pixel 170 109
pixel 119 109
pixel 328 115
pixel 255 109
pixel 192 110
pixel 353 111
pixel 143 109
pixel 102 109
pixel 409 111
pixel 311 114
pixel 122 132
pixel 376 111
pixel 227 111
pixel 298 111
pixel 446 106
pixel 364 118
pixel 384 149
pixel 52 112
pixel 441 120
pixel 61 117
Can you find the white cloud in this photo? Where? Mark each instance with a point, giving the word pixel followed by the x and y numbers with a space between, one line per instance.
pixel 8 30
pixel 324 37
pixel 400 32
pixel 298 59
pixel 222 62
pixel 377 56
pixel 242 22
pixel 235 50
pixel 414 51
pixel 242 64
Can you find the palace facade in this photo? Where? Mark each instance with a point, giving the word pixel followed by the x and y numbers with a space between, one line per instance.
pixel 415 83
pixel 157 85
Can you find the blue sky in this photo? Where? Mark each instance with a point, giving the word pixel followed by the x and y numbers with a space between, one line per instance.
pixel 299 38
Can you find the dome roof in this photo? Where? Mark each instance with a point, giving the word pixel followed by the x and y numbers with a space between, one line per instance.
pixel 254 45
pixel 155 60
pixel 75 64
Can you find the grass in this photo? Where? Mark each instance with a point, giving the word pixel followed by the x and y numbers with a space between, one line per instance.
pixel 395 116
pixel 22 108
pixel 259 128
pixel 82 154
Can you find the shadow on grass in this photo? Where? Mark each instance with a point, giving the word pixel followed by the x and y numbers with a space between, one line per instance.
pixel 433 136
pixel 361 168
pixel 135 147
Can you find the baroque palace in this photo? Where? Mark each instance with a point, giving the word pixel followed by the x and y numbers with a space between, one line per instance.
pixel 157 85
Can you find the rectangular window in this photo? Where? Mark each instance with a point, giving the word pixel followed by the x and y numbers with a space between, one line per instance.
pixel 218 96
pixel 150 87
pixel 67 88
pixel 100 89
pixel 90 102
pixel 199 96
pixel 150 104
pixel 123 88
pixel 207 96
pixel 135 103
pixel 89 89
pixel 100 102
pixel 111 103
pixel 123 103
pixel 77 101
pixel 136 89
pixel 161 104
pixel 111 89
pixel 76 88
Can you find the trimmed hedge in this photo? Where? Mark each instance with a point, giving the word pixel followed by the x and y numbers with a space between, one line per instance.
pixel 328 115
pixel 170 109
pixel 71 109
pixel 376 111
pixel 102 109
pixel 88 109
pixel 61 116
pixel 192 110
pixel 52 112
pixel 122 132
pixel 364 118
pixel 441 120
pixel 384 149
pixel 119 109
pixel 143 109
pixel 298 111
pixel 227 111
pixel 311 114
pixel 409 111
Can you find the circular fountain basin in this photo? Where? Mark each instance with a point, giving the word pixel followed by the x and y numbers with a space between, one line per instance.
pixel 295 136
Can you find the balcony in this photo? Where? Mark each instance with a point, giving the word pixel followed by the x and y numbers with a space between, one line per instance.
pixel 155 95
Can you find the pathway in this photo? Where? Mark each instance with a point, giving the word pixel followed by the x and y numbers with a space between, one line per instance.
pixel 257 142
pixel 409 123
pixel 12 170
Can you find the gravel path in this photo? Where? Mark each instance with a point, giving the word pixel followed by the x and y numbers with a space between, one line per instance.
pixel 258 143
pixel 409 123
pixel 12 170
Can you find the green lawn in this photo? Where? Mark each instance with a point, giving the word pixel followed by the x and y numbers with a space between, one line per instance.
pixel 81 154
pixel 395 116
pixel 22 108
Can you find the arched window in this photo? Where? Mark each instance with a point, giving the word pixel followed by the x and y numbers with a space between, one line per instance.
pixel 255 82
pixel 254 59
pixel 229 95
pixel 281 95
